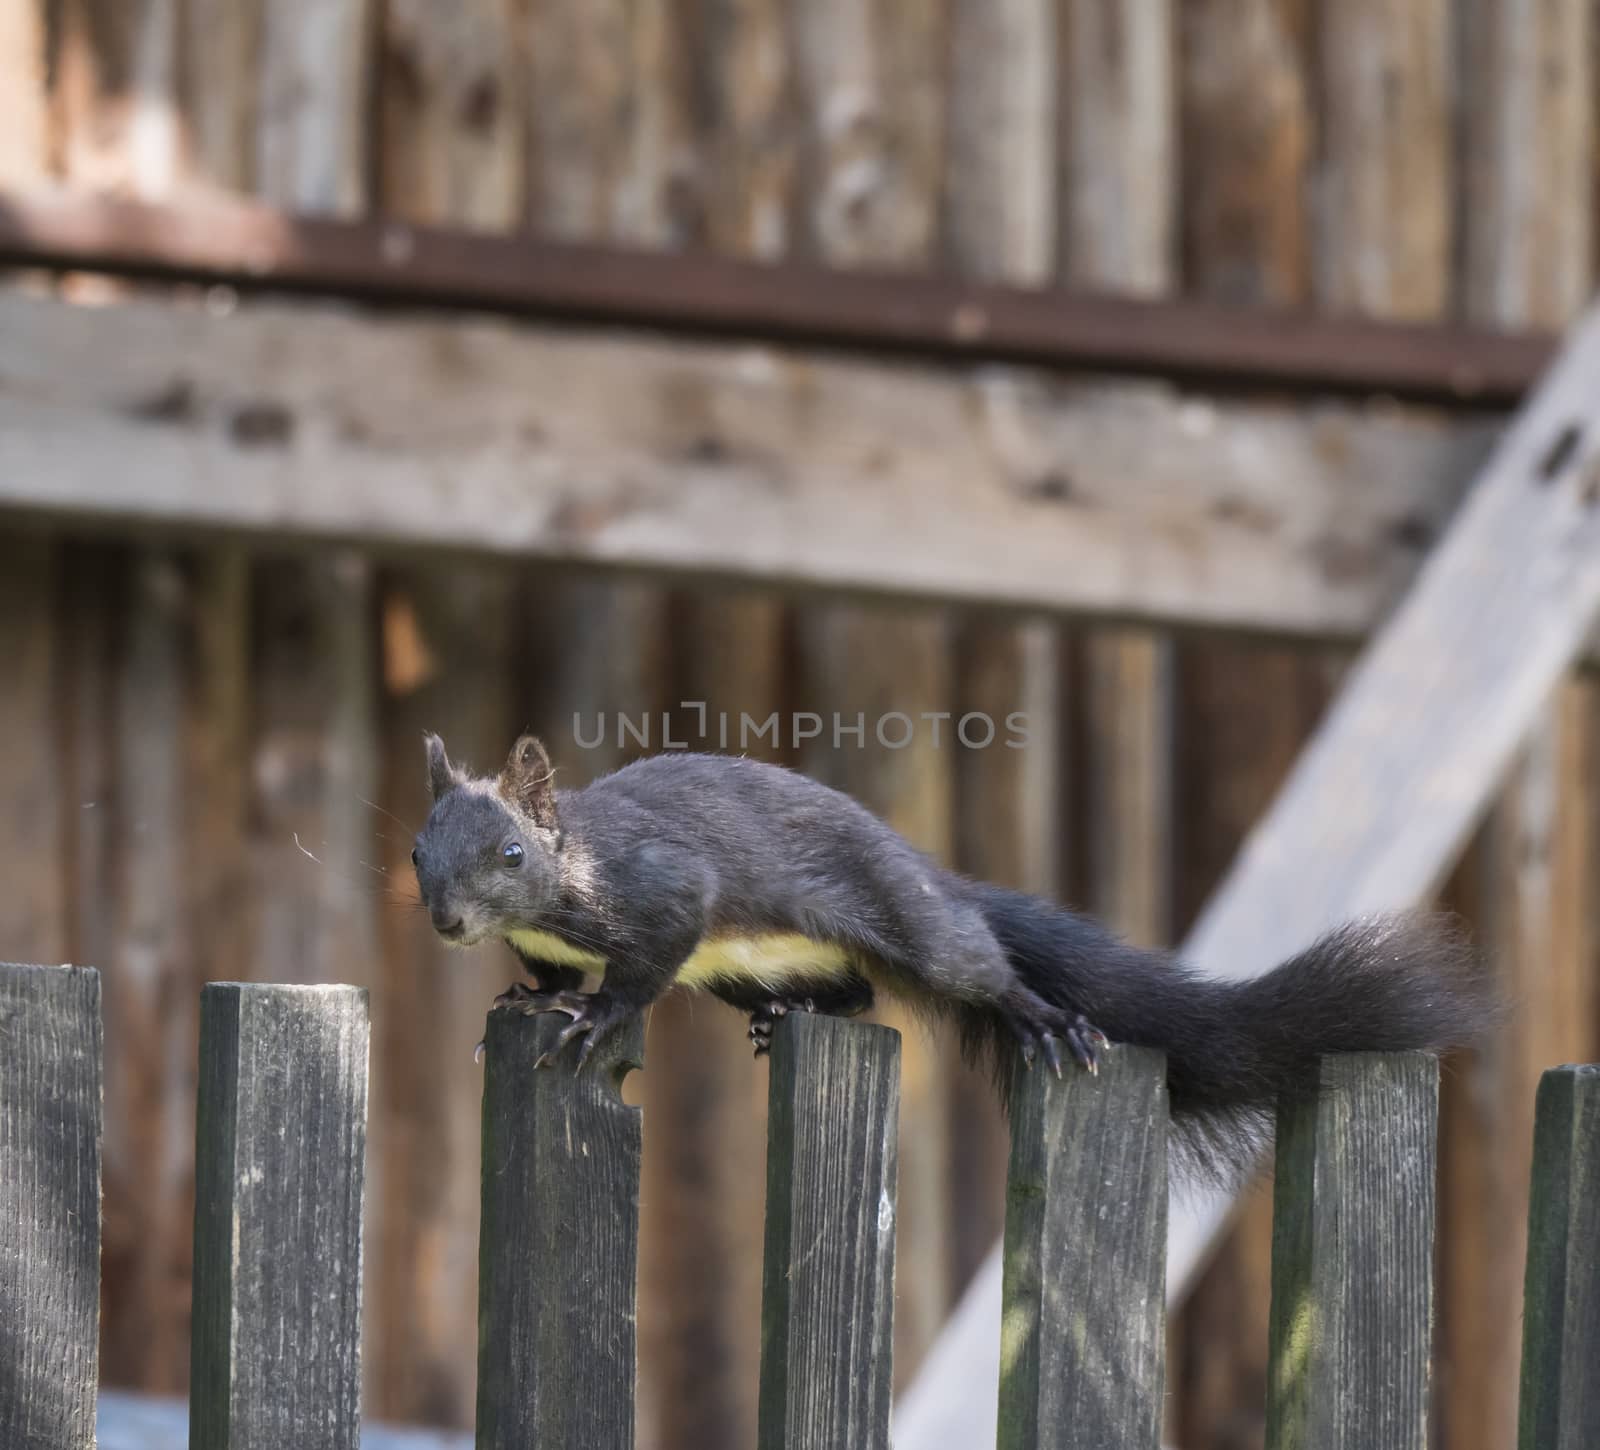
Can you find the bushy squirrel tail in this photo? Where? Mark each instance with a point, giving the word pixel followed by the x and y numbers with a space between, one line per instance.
pixel 1384 984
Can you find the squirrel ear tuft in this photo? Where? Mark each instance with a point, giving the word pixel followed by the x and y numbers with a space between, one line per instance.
pixel 442 776
pixel 528 781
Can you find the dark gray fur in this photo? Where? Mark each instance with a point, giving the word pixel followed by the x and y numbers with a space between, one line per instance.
pixel 685 847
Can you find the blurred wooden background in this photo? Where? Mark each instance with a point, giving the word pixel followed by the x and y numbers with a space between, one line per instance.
pixel 211 762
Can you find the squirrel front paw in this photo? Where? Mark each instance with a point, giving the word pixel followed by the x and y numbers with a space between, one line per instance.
pixel 527 1000
pixel 533 999
pixel 767 1016
pixel 594 1017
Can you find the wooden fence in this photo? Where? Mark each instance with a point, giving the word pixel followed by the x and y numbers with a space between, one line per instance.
pixel 280 1147
pixel 174 718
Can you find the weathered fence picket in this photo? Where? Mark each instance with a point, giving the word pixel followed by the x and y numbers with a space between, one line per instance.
pixel 280 1155
pixel 558 1253
pixel 827 1301
pixel 1352 1257
pixel 50 1088
pixel 280 1146
pixel 1560 1406
pixel 1085 1245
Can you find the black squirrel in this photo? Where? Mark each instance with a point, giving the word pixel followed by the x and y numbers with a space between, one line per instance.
pixel 776 894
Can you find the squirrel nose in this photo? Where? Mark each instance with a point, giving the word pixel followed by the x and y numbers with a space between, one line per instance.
pixel 446 923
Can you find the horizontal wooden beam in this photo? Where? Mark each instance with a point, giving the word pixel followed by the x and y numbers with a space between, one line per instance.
pixel 996 485
pixel 1196 342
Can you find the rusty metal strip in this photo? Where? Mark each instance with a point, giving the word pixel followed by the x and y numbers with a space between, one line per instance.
pixel 252 247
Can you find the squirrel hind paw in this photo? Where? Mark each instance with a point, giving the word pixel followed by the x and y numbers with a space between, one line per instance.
pixel 1041 1029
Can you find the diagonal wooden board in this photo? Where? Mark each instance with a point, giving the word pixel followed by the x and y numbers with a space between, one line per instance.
pixel 1387 791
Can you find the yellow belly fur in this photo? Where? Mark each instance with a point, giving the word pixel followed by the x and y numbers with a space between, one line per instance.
pixel 545 947
pixel 772 960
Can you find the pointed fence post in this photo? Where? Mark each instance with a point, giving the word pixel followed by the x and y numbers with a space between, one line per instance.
pixel 50 1125
pixel 280 1170
pixel 1560 1408
pixel 559 1248
pixel 827 1294
pixel 1083 1342
pixel 1352 1256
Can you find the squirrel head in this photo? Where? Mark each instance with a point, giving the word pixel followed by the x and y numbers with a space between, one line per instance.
pixel 488 860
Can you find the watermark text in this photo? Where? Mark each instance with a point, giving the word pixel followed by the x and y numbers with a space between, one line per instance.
pixel 700 728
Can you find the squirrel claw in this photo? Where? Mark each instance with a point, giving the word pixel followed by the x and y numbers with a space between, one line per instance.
pixel 762 1022
pixel 592 1020
pixel 1085 1041
pixel 520 997
pixel 548 1059
pixel 580 1026
pixel 586 1047
pixel 574 1004
pixel 480 1050
pixel 515 993
pixel 532 1009
pixel 1046 1035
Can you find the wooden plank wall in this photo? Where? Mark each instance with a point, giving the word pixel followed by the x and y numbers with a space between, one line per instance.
pixel 212 767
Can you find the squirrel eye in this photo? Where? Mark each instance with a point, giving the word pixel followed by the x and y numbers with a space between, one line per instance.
pixel 512 855
pixel 414 860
